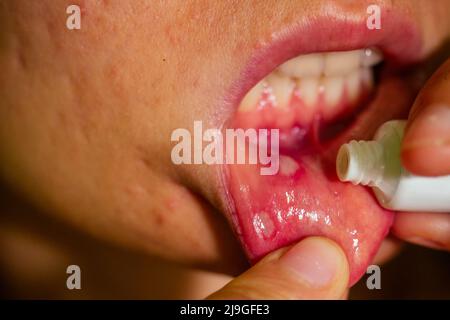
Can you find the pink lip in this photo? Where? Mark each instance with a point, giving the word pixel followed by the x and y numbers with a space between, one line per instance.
pixel 398 38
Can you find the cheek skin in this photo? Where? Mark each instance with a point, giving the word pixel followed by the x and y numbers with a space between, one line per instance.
pixel 78 129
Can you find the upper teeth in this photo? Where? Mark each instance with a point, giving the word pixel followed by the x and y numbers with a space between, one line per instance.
pixel 319 78
pixel 330 63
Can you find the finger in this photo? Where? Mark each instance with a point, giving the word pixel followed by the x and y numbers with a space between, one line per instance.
pixel 315 268
pixel 426 145
pixel 388 249
pixel 427 229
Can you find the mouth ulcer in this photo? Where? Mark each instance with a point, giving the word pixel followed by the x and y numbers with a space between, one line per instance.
pixel 314 100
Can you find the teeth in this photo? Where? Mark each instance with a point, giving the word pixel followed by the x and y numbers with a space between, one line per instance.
pixel 309 90
pixel 330 63
pixel 252 97
pixel 312 76
pixel 282 88
pixel 370 57
pixel 333 89
pixel 352 82
pixel 367 77
pixel 308 65
pixel 341 63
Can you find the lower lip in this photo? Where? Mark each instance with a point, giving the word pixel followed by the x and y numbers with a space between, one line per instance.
pixel 264 215
pixel 269 212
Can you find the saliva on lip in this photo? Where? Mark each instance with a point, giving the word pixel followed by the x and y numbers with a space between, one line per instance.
pixel 377 164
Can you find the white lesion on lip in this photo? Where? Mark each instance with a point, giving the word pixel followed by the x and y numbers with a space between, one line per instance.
pixel 288 166
pixel 263 225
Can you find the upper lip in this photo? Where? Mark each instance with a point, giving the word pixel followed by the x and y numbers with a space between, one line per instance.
pixel 330 30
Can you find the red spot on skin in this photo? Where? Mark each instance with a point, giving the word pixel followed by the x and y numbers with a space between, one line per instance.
pixel 171 204
pixel 172 35
pixel 179 197
pixel 159 219
pixel 83 7
pixel 195 83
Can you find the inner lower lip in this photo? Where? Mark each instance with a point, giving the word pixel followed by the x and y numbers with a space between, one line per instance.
pixel 274 211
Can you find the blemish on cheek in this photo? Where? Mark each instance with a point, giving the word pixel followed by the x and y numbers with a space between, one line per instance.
pixel 171 203
pixel 174 202
pixel 106 2
pixel 82 5
pixel 87 8
pixel 21 60
pixel 178 199
pixel 111 72
pixel 171 35
pixel 159 219
pixel 195 83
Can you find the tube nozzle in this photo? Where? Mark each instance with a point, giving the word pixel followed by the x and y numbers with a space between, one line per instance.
pixel 360 162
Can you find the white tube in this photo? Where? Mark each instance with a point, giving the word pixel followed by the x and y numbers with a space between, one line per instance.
pixel 377 164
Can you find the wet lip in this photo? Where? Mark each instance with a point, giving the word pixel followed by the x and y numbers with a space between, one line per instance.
pixel 398 39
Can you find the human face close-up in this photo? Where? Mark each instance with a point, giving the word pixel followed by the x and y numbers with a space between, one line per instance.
pixel 87 118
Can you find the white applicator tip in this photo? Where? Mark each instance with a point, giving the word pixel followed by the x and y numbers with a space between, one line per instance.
pixel 377 164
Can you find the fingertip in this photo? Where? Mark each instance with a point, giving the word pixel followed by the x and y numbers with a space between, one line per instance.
pixel 426 144
pixel 318 262
pixel 426 160
pixel 428 229
pixel 388 249
pixel 314 268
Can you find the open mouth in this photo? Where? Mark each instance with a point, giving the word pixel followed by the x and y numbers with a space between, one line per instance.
pixel 319 99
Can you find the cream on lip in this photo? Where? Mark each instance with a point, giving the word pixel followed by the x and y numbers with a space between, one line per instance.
pixel 377 164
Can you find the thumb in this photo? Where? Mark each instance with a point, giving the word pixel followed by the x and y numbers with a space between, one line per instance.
pixel 315 268
pixel 426 145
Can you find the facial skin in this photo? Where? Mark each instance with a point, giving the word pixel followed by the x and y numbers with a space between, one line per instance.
pixel 86 115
